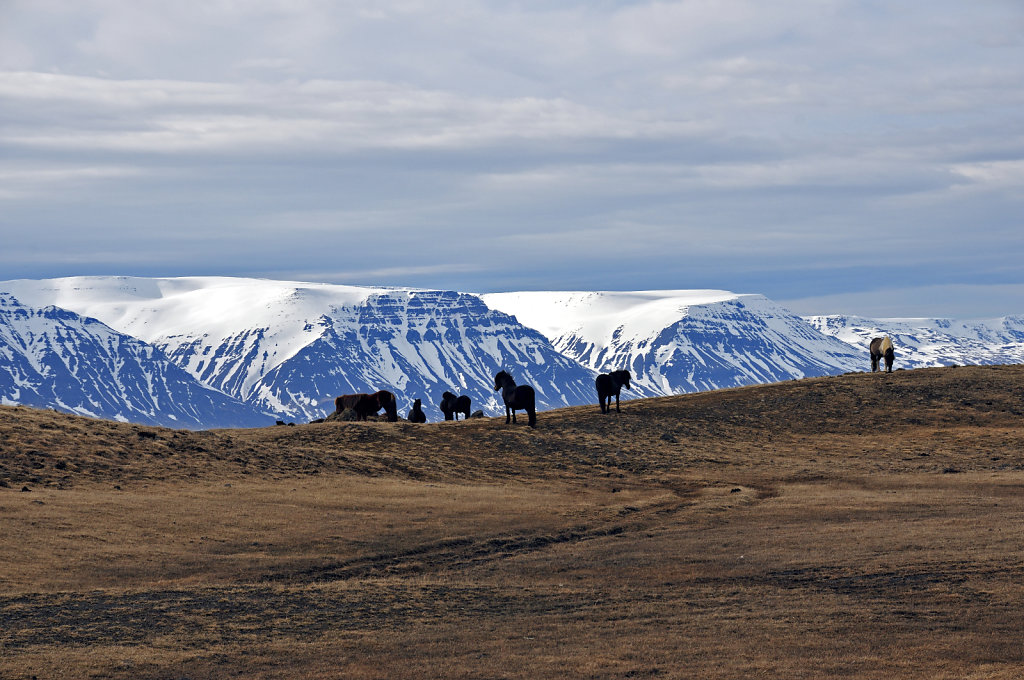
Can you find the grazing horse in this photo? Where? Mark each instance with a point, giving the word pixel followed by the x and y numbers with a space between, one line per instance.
pixel 516 397
pixel 462 405
pixel 416 415
pixel 451 406
pixel 609 385
pixel 447 405
pixel 368 404
pixel 882 347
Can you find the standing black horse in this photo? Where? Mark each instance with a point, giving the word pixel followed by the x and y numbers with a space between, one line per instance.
pixel 462 404
pixel 451 406
pixel 609 385
pixel 516 397
pixel 882 347
pixel 447 405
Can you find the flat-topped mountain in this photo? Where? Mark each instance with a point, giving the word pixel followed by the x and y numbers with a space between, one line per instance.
pixel 284 349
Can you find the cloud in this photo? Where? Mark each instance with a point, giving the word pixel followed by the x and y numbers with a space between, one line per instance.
pixel 311 116
pixel 961 301
pixel 769 144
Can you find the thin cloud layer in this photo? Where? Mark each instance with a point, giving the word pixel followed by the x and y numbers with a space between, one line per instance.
pixel 802 151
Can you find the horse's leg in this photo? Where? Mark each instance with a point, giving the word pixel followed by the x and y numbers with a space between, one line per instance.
pixel 531 412
pixel 508 418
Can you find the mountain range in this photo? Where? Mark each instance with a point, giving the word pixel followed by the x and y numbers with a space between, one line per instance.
pixel 202 352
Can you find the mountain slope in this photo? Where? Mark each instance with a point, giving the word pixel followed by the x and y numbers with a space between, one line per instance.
pixel 934 342
pixel 289 347
pixel 56 358
pixel 420 344
pixel 682 341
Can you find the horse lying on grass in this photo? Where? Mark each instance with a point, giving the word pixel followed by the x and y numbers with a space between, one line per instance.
pixel 416 415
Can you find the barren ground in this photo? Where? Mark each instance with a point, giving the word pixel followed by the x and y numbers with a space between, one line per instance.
pixel 861 526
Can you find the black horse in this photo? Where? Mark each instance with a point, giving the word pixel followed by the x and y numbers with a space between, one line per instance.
pixel 516 397
pixel 447 405
pixel 451 406
pixel 462 404
pixel 368 404
pixel 609 385
pixel 882 347
pixel 416 415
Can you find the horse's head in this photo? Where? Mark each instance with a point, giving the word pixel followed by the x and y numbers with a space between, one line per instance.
pixel 502 379
pixel 626 377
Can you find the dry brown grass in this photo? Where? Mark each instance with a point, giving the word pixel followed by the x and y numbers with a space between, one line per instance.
pixel 863 526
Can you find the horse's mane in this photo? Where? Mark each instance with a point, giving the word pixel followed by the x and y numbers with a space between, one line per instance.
pixel 886 345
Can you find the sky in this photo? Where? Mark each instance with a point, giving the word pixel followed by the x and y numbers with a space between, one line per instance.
pixel 839 156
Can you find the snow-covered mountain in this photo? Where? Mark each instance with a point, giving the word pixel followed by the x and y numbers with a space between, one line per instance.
pixel 289 348
pixel 52 357
pixel 934 342
pixel 235 349
pixel 683 340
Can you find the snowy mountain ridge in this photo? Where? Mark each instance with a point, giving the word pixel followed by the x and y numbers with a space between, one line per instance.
pixel 287 348
pixel 54 358
pixel 290 347
pixel 933 342
pixel 682 341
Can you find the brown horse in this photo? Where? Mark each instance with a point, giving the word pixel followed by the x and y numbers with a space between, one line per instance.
pixel 368 404
pixel 882 347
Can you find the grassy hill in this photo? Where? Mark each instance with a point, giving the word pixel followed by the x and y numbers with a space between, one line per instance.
pixel 862 526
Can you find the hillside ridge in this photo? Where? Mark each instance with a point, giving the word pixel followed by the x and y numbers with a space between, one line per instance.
pixel 651 436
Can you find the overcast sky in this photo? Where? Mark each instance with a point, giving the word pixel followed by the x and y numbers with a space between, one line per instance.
pixel 837 156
